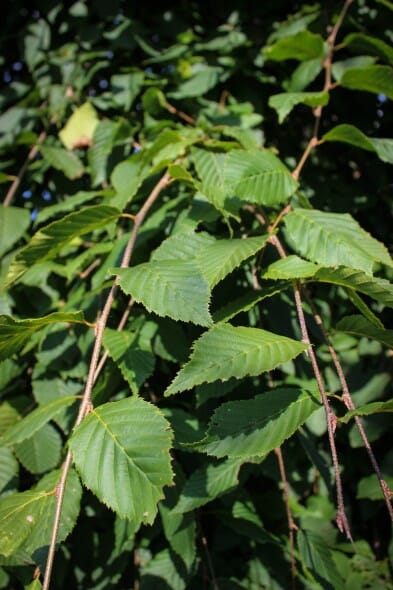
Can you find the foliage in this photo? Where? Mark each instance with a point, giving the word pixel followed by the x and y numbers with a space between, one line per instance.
pixel 195 295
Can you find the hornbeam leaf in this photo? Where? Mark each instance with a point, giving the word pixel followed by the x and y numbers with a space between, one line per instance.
pixel 352 135
pixel 358 325
pixel 367 410
pixel 291 267
pixel 49 241
pixel 42 451
pixel 63 160
pixel 317 558
pixel 302 46
pixel 284 102
pixel 334 239
pixel 125 442
pixel 226 351
pixel 14 221
pixel 26 518
pixel 35 420
pixel 14 334
pixel 367 44
pixel 207 483
pixel 254 427
pixel 182 246
pixel 80 127
pixel 9 468
pixel 170 288
pixel 258 176
pixel 221 257
pixel 377 79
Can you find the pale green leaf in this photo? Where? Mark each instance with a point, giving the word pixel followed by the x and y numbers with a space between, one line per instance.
pixel 14 221
pixel 50 240
pixel 170 288
pixel 101 150
pixel 35 585
pixel 29 425
pixel 9 468
pixel 14 334
pixel 126 178
pixel 317 558
pixel 226 351
pixel 26 518
pixel 360 326
pixel 126 442
pixel 352 135
pixel 207 483
pixel 42 451
pixel 302 46
pixel 284 103
pixel 63 160
pixel 360 61
pixel 80 127
pixel 368 410
pixel 334 239
pixel 376 79
pixel 8 416
pixel 360 42
pixel 133 356
pixel 291 267
pixel 182 246
pixel 254 427
pixel 220 258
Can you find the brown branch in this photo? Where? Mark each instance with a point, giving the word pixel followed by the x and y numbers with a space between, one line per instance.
pixel 174 111
pixel 30 156
pixel 86 400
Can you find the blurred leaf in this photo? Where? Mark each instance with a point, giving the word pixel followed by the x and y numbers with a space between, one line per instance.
pixel 350 134
pixel 63 160
pixel 302 46
pixel 284 103
pixel 360 326
pixel 80 127
pixel 367 410
pixel 377 79
pixel 14 221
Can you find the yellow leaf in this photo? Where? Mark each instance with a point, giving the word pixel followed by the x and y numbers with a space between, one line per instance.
pixel 80 127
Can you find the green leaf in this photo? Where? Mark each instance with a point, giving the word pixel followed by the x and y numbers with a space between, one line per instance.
pixel 9 468
pixel 26 518
pixel 376 79
pixel 334 239
pixel 302 46
pixel 50 240
pixel 170 288
pixel 360 61
pixel 182 246
pixel 226 351
pixel 200 83
pixel 166 570
pixel 101 150
pixel 132 355
pixel 369 488
pixel 14 334
pixel 220 258
pixel 207 483
pixel 131 447
pixel 63 160
pixel 246 302
pixel 361 43
pixel 352 135
pixel 126 87
pixel 14 221
pixel 80 127
pixel 126 178
pixel 360 326
pixel 285 102
pixel 253 428
pixel 368 410
pixel 35 420
pixel 318 560
pixel 291 267
pixel 42 451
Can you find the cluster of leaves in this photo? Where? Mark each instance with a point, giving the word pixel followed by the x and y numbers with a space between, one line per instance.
pixel 177 138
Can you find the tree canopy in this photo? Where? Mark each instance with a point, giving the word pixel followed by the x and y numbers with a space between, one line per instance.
pixel 195 295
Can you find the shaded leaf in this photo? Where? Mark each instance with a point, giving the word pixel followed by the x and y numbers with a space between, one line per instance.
pixel 226 351
pixel 334 239
pixel 368 410
pixel 25 428
pixel 318 560
pixel 9 467
pixel 63 160
pixel 285 102
pixel 200 83
pixel 360 42
pixel 175 289
pixel 376 79
pixel 360 326
pixel 369 488
pixel 14 334
pixel 126 87
pixel 50 240
pixel 131 447
pixel 352 135
pixel 42 451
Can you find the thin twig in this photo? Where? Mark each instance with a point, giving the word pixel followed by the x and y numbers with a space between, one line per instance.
pixel 348 401
pixel 291 523
pixel 174 111
pixel 86 400
pixel 30 156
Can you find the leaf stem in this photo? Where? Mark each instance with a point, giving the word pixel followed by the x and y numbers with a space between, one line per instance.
pixel 86 400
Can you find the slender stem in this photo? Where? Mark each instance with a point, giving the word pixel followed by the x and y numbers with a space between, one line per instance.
pixel 348 401
pixel 30 156
pixel 291 523
pixel 86 399
pixel 174 111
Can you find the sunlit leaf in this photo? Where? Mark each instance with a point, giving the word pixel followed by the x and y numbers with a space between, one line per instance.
pixel 14 221
pixel 80 127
